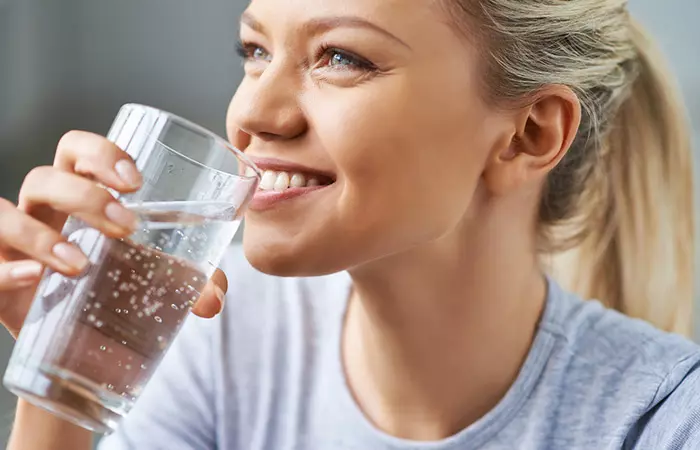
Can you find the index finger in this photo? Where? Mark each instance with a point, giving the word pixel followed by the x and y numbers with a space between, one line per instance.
pixel 92 155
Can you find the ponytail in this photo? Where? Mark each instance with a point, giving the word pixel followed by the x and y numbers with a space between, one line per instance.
pixel 639 258
pixel 616 214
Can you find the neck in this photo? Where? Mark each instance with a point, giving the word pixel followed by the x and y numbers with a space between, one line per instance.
pixel 435 336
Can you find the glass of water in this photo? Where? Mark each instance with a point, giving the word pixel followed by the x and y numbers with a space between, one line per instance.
pixel 90 344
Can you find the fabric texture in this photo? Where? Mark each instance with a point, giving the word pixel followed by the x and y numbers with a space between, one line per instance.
pixel 267 375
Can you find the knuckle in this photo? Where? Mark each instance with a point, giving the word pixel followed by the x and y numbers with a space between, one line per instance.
pixel 68 140
pixel 38 175
pixel 5 205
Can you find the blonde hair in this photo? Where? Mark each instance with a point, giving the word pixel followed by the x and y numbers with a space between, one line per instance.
pixel 617 213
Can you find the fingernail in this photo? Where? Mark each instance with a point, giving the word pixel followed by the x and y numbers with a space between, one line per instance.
pixel 128 173
pixel 221 295
pixel 26 271
pixel 121 216
pixel 70 255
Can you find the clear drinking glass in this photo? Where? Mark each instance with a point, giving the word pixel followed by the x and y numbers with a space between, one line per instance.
pixel 90 344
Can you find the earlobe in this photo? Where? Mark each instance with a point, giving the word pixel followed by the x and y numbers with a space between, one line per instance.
pixel 542 134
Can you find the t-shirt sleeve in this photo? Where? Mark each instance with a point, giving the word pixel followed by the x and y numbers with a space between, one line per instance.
pixel 176 409
pixel 674 422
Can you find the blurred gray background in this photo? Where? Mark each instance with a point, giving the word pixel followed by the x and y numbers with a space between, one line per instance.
pixel 70 64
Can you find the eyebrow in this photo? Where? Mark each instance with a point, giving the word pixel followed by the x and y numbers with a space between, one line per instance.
pixel 321 24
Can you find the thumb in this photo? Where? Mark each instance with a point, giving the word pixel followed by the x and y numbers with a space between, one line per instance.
pixel 211 302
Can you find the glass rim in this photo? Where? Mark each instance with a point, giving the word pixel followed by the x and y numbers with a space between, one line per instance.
pixel 238 154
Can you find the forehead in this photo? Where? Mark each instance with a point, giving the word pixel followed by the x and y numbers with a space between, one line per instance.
pixel 417 14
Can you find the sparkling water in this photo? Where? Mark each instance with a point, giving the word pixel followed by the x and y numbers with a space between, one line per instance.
pixel 97 339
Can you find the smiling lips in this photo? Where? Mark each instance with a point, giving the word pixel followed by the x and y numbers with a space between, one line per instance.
pixel 280 181
pixel 279 185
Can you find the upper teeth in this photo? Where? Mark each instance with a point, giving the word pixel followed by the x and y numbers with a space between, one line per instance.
pixel 280 181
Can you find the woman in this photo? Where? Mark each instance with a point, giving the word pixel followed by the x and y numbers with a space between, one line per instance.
pixel 447 151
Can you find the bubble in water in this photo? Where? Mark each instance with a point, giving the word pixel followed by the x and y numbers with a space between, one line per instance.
pixel 138 258
pixel 161 338
pixel 98 305
pixel 99 323
pixel 103 348
pixel 139 315
pixel 143 366
pixel 115 294
pixel 91 318
pixel 110 387
pixel 91 294
pixel 169 272
pixel 118 310
pixel 126 311
pixel 119 363
pixel 158 319
pixel 128 367
pixel 173 306
pixel 149 275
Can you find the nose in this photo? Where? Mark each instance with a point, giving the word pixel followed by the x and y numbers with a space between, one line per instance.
pixel 267 107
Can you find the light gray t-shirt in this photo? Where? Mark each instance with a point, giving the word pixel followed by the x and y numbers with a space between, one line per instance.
pixel 267 375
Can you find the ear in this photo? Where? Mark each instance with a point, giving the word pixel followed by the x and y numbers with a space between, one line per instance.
pixel 541 135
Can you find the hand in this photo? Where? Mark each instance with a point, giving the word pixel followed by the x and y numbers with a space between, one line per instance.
pixel 30 232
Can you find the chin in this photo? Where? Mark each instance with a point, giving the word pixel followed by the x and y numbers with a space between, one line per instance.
pixel 287 258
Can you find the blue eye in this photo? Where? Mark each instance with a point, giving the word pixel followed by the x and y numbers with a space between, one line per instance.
pixel 260 53
pixel 252 52
pixel 340 59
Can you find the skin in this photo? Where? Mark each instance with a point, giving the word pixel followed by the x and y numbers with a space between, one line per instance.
pixel 433 209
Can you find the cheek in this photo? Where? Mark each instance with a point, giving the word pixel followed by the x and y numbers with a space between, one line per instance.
pixel 408 154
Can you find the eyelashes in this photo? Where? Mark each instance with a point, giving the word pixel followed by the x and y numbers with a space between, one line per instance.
pixel 249 51
pixel 336 57
pixel 327 57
